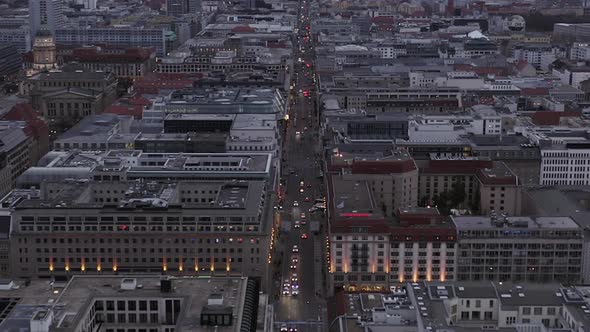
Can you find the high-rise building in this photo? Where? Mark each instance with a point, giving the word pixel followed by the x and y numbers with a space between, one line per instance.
pixel 194 6
pixel 45 14
pixel 177 7
pixel 88 4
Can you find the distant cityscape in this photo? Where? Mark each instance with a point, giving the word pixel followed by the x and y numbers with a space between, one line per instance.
pixel 294 166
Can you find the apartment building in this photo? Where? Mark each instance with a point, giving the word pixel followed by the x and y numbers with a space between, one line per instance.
pixel 111 225
pixel 566 164
pixel 502 248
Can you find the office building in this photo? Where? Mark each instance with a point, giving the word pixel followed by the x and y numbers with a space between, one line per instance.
pixel 147 303
pixel 46 14
pixel 464 306
pixel 10 61
pixel 428 101
pixel 119 37
pixel 534 249
pixel 19 37
pixel 142 166
pixel 177 7
pixel 566 32
pixel 88 4
pixel 127 62
pixel 565 164
pixel 194 227
pixel 15 154
pixel 217 100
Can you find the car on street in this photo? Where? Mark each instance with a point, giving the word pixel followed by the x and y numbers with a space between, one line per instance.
pixel 284 328
pixel 302 215
pixel 301 190
pixel 303 222
pixel 295 292
pixel 295 248
pixel 292 329
pixel 293 266
pixel 313 209
pixel 297 224
pixel 304 236
pixel 294 277
pixel 295 203
pixel 286 291
pixel 307 199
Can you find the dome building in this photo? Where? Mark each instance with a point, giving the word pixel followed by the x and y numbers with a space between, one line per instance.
pixel 516 23
pixel 44 53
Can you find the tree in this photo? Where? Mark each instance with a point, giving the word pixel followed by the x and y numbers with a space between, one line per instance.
pixel 424 201
pixel 457 194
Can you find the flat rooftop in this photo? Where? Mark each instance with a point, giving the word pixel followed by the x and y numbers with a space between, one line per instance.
pixel 352 196
pixel 500 174
pixel 71 301
pixel 464 223
pixel 224 196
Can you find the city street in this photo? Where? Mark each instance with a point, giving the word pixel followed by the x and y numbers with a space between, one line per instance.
pixel 301 268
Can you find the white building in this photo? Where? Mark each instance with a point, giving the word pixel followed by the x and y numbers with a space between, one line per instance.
pixel 580 51
pixel 116 36
pixel 566 164
pixel 538 55
pixel 572 73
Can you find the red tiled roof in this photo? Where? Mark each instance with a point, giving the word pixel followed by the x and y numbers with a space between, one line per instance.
pixel 243 29
pixel 551 118
pixel 534 91
pixel 133 106
pixel 36 127
pixel 467 166
pixel 382 167
pixel 382 19
pixel 93 54
pixel 153 82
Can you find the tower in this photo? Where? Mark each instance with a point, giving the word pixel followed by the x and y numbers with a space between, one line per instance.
pixel 177 7
pixel 45 14
pixel 44 56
